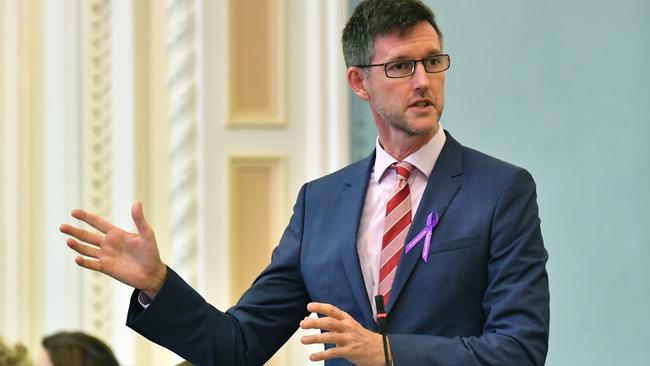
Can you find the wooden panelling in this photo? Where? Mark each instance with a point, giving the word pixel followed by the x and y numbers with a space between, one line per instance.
pixel 257 211
pixel 257 63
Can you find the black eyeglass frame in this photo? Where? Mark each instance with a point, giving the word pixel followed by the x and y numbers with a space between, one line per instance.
pixel 414 65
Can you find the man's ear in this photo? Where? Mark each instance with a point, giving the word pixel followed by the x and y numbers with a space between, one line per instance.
pixel 356 79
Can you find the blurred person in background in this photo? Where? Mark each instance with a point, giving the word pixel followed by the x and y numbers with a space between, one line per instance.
pixel 13 355
pixel 75 349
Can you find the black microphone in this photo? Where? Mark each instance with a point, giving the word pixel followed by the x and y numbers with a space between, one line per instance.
pixel 381 322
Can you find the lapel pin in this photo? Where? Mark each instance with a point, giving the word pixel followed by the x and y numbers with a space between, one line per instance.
pixel 432 222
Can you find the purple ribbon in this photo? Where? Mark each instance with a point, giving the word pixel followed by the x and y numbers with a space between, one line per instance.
pixel 432 221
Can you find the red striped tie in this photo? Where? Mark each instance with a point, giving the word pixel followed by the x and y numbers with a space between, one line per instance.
pixel 396 226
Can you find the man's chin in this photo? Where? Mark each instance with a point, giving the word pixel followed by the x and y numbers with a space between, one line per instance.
pixel 417 128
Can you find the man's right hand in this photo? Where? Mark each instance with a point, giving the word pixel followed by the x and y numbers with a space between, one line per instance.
pixel 130 258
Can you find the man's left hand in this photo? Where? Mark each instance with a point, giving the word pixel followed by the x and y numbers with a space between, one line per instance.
pixel 353 342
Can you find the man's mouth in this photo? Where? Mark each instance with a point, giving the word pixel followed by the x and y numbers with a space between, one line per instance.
pixel 421 103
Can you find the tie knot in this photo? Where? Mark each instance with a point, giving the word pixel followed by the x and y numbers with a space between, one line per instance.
pixel 403 170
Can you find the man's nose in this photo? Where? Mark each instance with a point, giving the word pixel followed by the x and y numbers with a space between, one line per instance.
pixel 420 76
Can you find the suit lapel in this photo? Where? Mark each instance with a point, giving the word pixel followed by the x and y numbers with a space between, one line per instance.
pixel 352 200
pixel 441 189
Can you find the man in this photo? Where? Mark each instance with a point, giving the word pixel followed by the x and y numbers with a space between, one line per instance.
pixel 449 236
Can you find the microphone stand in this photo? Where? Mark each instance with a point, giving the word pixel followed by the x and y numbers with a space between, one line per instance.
pixel 382 323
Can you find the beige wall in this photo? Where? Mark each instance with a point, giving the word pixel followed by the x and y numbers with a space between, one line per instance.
pixel 2 171
pixel 240 141
pixel 21 195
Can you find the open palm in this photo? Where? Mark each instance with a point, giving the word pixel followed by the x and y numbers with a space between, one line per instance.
pixel 131 258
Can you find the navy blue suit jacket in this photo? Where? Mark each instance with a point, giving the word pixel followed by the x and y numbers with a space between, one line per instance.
pixel 482 298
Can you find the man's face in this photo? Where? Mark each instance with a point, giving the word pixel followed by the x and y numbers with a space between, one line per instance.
pixel 413 104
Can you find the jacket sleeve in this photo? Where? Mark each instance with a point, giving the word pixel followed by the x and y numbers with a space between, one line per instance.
pixel 247 334
pixel 516 301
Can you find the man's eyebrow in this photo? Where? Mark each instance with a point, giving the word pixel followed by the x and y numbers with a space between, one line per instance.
pixel 407 58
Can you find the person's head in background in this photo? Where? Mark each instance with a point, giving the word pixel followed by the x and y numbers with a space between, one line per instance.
pixel 75 349
pixel 13 355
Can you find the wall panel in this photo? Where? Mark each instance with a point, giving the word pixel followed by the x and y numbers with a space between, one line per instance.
pixel 257 211
pixel 22 223
pixel 257 63
pixel 257 199
pixel 151 137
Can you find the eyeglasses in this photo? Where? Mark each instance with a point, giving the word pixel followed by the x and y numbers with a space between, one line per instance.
pixel 406 68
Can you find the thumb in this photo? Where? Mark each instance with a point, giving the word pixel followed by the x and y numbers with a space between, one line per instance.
pixel 138 218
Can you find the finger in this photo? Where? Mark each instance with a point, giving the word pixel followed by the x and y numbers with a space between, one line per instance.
pixel 324 338
pixel 329 324
pixel 138 218
pixel 88 263
pixel 334 352
pixel 92 220
pixel 82 249
pixel 81 234
pixel 327 309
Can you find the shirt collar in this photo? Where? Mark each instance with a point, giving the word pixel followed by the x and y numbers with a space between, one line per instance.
pixel 423 159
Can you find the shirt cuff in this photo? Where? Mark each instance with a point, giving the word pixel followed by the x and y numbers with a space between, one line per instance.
pixel 144 300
